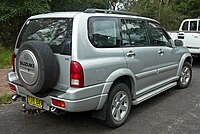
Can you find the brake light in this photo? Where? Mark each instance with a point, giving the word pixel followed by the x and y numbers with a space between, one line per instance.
pixel 76 75
pixel 12 87
pixel 13 62
pixel 58 103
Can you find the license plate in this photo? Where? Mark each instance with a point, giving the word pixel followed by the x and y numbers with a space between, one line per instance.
pixel 35 101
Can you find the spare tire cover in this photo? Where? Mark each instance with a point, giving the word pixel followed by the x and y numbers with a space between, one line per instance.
pixel 37 67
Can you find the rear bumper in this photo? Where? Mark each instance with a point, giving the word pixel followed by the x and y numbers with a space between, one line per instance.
pixel 76 100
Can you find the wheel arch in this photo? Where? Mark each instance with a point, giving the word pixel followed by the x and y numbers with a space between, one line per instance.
pixel 123 75
pixel 185 58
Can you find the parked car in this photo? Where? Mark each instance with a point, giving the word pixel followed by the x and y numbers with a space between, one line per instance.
pixel 98 60
pixel 189 33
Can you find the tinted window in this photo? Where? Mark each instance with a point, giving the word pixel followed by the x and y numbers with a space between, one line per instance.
pixel 134 33
pixel 103 32
pixel 125 35
pixel 185 26
pixel 57 33
pixel 160 37
pixel 193 25
pixel 199 26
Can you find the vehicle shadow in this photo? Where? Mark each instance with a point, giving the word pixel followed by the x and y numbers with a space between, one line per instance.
pixel 196 62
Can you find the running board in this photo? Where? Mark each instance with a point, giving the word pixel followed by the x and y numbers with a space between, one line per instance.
pixel 153 93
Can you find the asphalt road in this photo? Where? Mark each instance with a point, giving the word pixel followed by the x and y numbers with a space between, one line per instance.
pixel 172 112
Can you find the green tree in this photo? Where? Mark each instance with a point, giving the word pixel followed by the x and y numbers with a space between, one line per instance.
pixel 189 8
pixel 161 10
pixel 194 7
pixel 14 13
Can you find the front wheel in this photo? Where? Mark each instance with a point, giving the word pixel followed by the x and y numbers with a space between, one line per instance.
pixel 118 105
pixel 185 76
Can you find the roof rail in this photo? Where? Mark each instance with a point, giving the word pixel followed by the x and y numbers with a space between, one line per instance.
pixel 92 10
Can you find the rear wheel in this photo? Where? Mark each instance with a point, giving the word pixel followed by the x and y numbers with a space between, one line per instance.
pixel 186 76
pixel 118 105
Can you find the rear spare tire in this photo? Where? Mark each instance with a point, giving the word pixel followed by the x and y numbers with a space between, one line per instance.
pixel 37 67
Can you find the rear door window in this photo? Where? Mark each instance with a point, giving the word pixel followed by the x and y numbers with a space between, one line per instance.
pixel 55 32
pixel 134 33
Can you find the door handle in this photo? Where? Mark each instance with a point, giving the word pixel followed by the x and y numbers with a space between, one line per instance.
pixel 181 35
pixel 130 54
pixel 161 52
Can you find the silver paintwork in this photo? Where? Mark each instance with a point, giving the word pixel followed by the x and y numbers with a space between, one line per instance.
pixel 153 93
pixel 28 74
pixel 181 62
pixel 156 86
pixel 150 72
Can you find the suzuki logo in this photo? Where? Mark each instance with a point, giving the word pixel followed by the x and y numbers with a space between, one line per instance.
pixel 23 63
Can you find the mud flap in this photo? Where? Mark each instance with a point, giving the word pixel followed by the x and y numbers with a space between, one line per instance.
pixel 100 114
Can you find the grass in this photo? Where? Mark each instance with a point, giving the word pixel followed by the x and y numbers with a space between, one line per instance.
pixel 5 57
pixel 5 99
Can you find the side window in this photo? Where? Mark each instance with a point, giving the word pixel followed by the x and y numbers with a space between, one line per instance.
pixel 103 32
pixel 134 33
pixel 160 37
pixel 125 36
pixel 193 25
pixel 199 26
pixel 185 26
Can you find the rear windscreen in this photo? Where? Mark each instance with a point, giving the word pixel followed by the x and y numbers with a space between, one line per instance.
pixel 55 32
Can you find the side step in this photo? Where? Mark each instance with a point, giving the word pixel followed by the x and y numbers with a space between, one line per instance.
pixel 153 93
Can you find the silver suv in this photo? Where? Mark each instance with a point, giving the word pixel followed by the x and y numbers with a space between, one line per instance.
pixel 98 60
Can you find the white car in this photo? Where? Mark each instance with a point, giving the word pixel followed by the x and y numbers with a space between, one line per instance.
pixel 189 33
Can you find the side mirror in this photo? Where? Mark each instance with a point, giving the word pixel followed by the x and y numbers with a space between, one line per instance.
pixel 178 43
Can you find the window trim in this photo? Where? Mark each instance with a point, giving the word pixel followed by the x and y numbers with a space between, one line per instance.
pixel 89 29
pixel 67 40
pixel 165 33
pixel 147 31
pixel 24 25
pixel 183 26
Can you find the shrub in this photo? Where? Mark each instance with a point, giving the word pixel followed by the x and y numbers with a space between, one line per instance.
pixel 5 57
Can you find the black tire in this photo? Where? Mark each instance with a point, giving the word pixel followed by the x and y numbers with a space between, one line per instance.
pixel 117 89
pixel 47 66
pixel 185 76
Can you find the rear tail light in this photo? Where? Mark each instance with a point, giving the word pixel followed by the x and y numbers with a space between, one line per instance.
pixel 12 87
pixel 76 75
pixel 58 103
pixel 13 62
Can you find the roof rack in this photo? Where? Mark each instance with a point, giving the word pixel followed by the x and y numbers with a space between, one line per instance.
pixel 92 10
